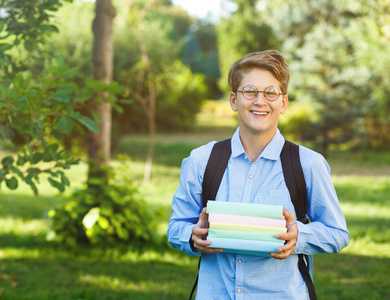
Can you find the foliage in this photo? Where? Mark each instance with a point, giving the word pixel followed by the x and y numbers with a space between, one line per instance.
pixel 27 22
pixel 40 99
pixel 297 124
pixel 38 113
pixel 164 24
pixel 250 33
pixel 179 92
pixel 112 216
pixel 329 45
pixel 201 54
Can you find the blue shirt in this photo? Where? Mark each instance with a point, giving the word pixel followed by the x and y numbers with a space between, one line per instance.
pixel 231 276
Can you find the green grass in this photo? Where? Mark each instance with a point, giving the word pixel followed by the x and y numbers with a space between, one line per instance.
pixel 31 268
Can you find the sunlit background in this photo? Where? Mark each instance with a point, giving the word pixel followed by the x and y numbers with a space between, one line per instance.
pixel 61 238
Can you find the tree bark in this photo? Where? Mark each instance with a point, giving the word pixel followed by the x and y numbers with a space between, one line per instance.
pixel 99 144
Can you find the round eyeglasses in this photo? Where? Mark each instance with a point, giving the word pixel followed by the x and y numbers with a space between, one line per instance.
pixel 250 92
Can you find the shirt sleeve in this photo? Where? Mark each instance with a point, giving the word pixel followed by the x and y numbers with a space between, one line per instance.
pixel 187 200
pixel 327 232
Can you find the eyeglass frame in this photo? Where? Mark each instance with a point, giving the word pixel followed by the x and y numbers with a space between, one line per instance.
pixel 257 92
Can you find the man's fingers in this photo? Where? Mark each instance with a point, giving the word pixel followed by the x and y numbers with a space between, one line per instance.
pixel 290 237
pixel 283 255
pixel 201 245
pixel 289 216
pixel 209 250
pixel 289 246
pixel 199 231
pixel 203 219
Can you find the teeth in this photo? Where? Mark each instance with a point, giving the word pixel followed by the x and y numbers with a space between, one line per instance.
pixel 259 113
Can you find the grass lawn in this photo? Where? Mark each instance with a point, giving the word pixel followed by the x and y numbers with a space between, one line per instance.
pixel 31 268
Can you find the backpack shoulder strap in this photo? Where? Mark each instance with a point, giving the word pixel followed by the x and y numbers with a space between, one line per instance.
pixel 294 178
pixel 215 169
pixel 296 184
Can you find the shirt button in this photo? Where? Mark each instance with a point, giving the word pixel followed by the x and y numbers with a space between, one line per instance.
pixel 250 176
pixel 239 290
pixel 246 157
pixel 240 261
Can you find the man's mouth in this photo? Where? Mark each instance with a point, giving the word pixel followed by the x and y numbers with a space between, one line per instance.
pixel 260 113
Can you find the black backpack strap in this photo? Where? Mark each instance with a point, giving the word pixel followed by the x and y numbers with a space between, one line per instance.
pixel 296 184
pixel 294 178
pixel 215 169
pixel 212 178
pixel 196 281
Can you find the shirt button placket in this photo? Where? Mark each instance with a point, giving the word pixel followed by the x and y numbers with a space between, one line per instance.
pixel 239 277
pixel 249 184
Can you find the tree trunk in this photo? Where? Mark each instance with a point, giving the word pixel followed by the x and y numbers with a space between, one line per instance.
pixel 149 105
pixel 99 144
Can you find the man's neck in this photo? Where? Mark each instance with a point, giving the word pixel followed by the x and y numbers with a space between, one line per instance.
pixel 254 144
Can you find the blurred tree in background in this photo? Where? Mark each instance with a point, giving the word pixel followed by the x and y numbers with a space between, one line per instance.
pixel 337 56
pixel 179 91
pixel 36 104
pixel 201 54
pixel 99 144
pixel 245 31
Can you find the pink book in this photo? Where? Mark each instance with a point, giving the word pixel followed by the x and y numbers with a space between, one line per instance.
pixel 232 219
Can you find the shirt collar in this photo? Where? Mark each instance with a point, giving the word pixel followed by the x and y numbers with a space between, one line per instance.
pixel 271 151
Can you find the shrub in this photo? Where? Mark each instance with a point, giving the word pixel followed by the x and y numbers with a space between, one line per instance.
pixel 297 124
pixel 113 215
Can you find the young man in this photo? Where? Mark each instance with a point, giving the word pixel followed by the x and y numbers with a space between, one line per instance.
pixel 254 174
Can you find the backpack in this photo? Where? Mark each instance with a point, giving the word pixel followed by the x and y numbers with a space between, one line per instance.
pixel 295 181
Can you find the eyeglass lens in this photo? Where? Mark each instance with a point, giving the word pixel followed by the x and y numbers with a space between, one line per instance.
pixel 250 92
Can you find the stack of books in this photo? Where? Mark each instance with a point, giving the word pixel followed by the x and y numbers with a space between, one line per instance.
pixel 245 228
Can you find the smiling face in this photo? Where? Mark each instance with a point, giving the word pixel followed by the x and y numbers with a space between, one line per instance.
pixel 258 117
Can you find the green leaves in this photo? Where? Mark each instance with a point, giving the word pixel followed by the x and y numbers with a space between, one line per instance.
pixel 36 158
pixel 30 165
pixel 87 122
pixel 12 183
pixel 59 186
pixel 5 47
pixel 65 124
pixel 50 153
pixel 7 162
pixel 111 216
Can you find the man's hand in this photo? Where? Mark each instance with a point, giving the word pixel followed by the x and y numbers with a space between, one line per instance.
pixel 199 235
pixel 290 237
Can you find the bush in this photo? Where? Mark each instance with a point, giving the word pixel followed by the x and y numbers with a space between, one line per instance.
pixel 297 124
pixel 113 215
pixel 179 96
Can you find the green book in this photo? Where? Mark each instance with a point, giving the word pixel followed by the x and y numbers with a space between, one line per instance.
pixel 246 235
pixel 245 209
pixel 244 227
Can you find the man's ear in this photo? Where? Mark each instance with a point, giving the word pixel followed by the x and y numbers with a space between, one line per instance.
pixel 284 104
pixel 233 100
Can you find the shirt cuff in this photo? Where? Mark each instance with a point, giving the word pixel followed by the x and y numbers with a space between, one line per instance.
pixel 303 234
pixel 185 240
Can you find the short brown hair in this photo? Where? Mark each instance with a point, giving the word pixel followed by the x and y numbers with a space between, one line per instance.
pixel 269 60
